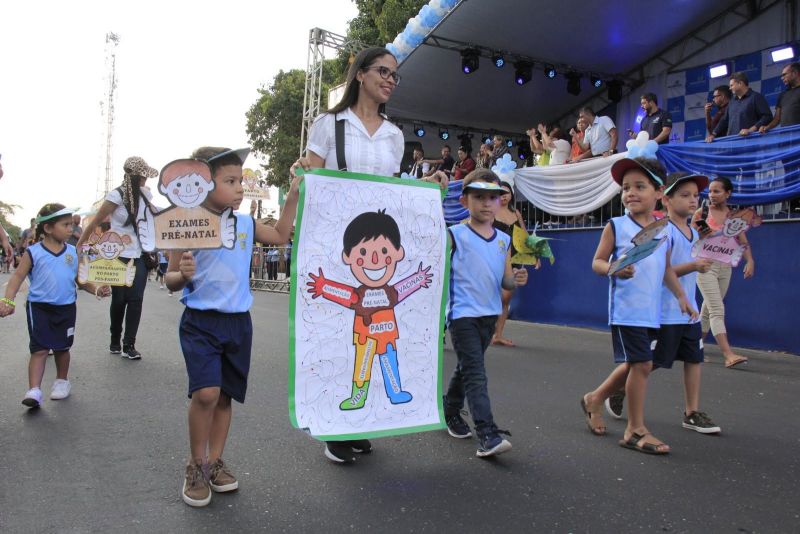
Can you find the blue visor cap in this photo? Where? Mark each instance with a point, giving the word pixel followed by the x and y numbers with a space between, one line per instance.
pixel 484 186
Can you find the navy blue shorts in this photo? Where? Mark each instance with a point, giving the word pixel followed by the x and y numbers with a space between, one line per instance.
pixel 633 343
pixel 678 342
pixel 50 326
pixel 162 268
pixel 216 347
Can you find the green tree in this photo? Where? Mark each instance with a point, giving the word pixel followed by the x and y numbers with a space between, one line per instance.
pixel 6 211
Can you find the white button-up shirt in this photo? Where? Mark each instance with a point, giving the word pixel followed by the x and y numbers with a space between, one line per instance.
pixel 379 154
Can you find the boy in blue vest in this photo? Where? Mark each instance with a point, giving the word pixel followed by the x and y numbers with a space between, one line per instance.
pixel 215 330
pixel 480 266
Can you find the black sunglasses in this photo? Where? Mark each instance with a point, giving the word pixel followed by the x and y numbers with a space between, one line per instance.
pixel 386 73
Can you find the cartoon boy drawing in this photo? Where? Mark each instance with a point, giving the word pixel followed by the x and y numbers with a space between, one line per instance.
pixel 723 245
pixel 372 249
pixel 186 183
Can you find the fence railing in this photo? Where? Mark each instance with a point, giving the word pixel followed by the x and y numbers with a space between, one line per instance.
pixel 270 268
pixel 777 212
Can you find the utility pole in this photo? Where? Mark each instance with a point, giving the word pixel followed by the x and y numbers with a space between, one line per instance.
pixel 105 183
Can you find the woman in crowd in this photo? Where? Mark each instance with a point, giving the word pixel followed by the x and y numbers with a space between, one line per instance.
pixel 464 165
pixel 714 283
pixel 506 219
pixel 122 205
pixel 373 145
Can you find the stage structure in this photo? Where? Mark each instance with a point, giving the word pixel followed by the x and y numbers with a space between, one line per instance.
pixel 318 39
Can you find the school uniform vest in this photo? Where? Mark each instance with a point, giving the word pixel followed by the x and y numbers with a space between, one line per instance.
pixel 222 277
pixel 681 247
pixel 636 301
pixel 52 276
pixel 476 272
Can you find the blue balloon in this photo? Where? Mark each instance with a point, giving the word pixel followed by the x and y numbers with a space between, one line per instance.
pixel 448 3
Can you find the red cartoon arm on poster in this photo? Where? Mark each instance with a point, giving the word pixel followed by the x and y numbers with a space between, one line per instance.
pixel 341 294
pixel 411 284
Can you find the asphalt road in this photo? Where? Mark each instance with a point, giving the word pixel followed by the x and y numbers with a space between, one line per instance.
pixel 111 456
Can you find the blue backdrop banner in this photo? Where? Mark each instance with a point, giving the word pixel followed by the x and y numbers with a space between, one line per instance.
pixel 763 168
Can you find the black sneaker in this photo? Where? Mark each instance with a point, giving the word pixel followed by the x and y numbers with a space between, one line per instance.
pixel 493 444
pixel 361 446
pixel 115 348
pixel 615 403
pixel 457 427
pixel 131 353
pixel 340 452
pixel 700 422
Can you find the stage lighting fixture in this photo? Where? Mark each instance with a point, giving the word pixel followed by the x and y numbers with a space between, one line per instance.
pixel 549 71
pixel 470 60
pixel 596 81
pixel 718 71
pixel 498 60
pixel 523 150
pixel 444 134
pixel 615 90
pixel 509 143
pixel 782 54
pixel 419 131
pixel 523 71
pixel 487 139
pixel 573 83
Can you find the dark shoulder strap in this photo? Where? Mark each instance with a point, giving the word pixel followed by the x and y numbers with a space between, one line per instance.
pixel 341 162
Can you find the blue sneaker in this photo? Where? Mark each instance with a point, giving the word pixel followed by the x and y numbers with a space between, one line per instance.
pixel 493 444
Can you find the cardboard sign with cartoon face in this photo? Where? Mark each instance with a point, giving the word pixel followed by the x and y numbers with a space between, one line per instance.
pixel 252 189
pixel 723 246
pixel 645 243
pixel 100 264
pixel 186 224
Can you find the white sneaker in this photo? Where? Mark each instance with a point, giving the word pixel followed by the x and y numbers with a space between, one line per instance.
pixel 161 286
pixel 33 398
pixel 61 389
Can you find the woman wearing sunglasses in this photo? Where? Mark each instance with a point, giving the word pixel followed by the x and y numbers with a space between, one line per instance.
pixel 372 145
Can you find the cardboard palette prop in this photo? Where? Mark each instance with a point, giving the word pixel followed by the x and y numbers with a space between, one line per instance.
pixel 252 189
pixel 723 245
pixel 645 243
pixel 100 263
pixel 369 286
pixel 186 223
pixel 530 248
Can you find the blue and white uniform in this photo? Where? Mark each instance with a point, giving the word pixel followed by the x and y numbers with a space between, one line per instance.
pixel 634 304
pixel 216 332
pixel 51 297
pixel 678 338
pixel 477 268
pixel 635 301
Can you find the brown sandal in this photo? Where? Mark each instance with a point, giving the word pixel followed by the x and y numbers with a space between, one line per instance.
pixel 596 430
pixel 637 443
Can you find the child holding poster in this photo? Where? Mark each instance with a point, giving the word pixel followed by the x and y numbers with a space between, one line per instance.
pixel 480 267
pixel 634 302
pixel 679 339
pixel 51 265
pixel 215 330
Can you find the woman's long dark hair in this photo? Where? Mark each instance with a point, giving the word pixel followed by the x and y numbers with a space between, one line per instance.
pixel 362 61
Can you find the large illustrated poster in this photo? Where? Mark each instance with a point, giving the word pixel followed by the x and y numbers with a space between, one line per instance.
pixel 367 306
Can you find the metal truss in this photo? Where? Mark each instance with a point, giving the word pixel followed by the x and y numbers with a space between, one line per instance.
pixel 318 40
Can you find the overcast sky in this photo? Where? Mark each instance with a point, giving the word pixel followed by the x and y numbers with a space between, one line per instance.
pixel 187 72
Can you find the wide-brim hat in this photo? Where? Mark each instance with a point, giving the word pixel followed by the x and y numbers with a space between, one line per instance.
pixel 137 166
pixel 700 179
pixel 619 168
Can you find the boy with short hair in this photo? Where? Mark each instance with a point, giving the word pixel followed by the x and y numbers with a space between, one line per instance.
pixel 480 266
pixel 634 302
pixel 215 330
